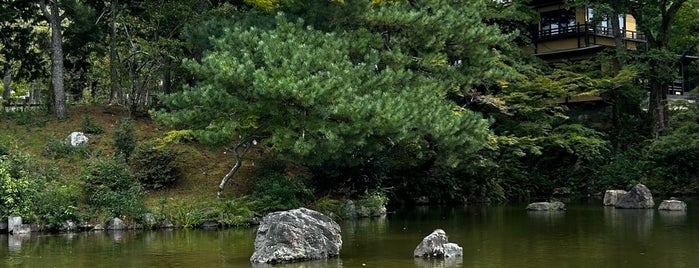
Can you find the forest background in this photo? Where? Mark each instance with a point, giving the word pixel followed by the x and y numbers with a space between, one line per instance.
pixel 313 103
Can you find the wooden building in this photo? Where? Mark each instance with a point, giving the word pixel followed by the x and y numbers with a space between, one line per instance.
pixel 566 32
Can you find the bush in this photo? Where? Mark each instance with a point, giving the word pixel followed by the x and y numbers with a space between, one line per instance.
pixel 57 203
pixel 236 212
pixel 91 127
pixel 32 118
pixel 232 212
pixel 112 190
pixel 332 207
pixel 17 190
pixel 156 166
pixel 279 192
pixel 56 148
pixel 186 215
pixel 373 204
pixel 124 139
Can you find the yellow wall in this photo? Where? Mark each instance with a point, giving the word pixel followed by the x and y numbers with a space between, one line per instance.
pixel 554 45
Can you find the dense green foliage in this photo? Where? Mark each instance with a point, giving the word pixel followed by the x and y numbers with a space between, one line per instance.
pixel 112 190
pixel 124 139
pixel 426 99
pixel 279 192
pixel 90 127
pixel 156 166
pixel 18 190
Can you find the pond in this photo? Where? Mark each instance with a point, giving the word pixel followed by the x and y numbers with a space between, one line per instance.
pixel 586 235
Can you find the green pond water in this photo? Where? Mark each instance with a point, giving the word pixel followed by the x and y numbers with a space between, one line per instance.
pixel 586 235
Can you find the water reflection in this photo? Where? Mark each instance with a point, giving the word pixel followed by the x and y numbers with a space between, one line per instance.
pixel 673 218
pixel 548 217
pixel 335 262
pixel 496 236
pixel 14 242
pixel 378 225
pixel 439 263
pixel 630 221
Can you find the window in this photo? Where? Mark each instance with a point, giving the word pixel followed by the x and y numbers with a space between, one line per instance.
pixel 602 23
pixel 558 22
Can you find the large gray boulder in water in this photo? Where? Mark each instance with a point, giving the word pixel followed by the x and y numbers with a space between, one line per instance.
pixel 638 197
pixel 296 235
pixel 436 245
pixel 612 196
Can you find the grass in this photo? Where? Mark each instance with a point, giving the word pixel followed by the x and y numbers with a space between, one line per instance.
pixel 204 169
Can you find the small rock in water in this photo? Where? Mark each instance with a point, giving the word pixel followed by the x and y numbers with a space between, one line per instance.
pixel 672 205
pixel 546 206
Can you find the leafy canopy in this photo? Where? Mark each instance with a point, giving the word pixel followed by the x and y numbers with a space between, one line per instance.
pixel 307 96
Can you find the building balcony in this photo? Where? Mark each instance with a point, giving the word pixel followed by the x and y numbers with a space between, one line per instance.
pixel 585 29
pixel 580 40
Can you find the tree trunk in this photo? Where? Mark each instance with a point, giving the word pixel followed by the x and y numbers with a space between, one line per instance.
pixel 619 34
pixel 115 92
pixel 59 95
pixel 167 78
pixel 657 108
pixel 7 83
pixel 238 156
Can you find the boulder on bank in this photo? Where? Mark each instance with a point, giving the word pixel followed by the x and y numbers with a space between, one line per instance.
pixel 436 245
pixel 296 235
pixel 15 226
pixel 639 197
pixel 116 224
pixel 76 139
pixel 612 196
pixel 546 206
pixel 672 205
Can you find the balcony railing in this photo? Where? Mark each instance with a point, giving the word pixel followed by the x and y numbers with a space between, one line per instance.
pixel 586 28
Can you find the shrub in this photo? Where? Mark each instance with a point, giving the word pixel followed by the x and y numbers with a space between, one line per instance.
pixel 56 148
pixel 279 192
pixel 112 190
pixel 236 212
pixel 156 166
pixel 32 118
pixel 373 204
pixel 331 207
pixel 17 190
pixel 124 139
pixel 186 215
pixel 90 127
pixel 57 203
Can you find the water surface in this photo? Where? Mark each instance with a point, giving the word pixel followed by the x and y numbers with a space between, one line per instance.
pixel 586 235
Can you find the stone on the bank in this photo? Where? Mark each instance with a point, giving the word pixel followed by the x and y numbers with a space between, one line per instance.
pixel 167 224
pixel 546 206
pixel 612 196
pixel 15 226
pixel 76 139
pixel 350 210
pixel 673 205
pixel 149 220
pixel 209 225
pixel 69 226
pixel 296 235
pixel 422 200
pixel 436 245
pixel 116 224
pixel 639 197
